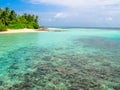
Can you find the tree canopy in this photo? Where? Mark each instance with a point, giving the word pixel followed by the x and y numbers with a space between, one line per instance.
pixel 9 19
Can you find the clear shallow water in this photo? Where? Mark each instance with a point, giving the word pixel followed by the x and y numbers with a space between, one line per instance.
pixel 78 59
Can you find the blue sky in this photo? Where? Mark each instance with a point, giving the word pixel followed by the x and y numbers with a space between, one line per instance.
pixel 80 13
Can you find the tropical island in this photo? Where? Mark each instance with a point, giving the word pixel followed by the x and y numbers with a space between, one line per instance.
pixel 9 19
pixel 79 51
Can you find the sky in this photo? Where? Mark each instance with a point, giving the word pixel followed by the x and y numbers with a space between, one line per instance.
pixel 69 13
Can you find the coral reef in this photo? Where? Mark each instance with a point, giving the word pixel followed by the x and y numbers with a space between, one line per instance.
pixel 38 68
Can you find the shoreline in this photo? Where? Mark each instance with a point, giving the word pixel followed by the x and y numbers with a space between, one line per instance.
pixel 10 31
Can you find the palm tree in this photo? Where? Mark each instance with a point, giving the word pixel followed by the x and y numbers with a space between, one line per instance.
pixel 12 15
pixel 9 18
pixel 36 19
pixel 0 11
pixel 5 16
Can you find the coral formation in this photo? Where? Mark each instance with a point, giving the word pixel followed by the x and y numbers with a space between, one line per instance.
pixel 86 67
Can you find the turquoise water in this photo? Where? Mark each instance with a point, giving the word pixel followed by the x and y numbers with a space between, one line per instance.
pixel 76 59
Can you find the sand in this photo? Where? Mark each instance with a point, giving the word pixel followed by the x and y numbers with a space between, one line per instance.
pixel 21 31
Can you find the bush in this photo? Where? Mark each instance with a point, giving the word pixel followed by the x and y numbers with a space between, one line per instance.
pixel 16 26
pixel 30 26
pixel 3 27
pixel 12 20
pixel 35 25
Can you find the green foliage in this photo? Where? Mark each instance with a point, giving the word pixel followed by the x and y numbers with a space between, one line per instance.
pixel 9 19
pixel 3 27
pixel 35 25
pixel 0 12
pixel 12 15
pixel 16 26
pixel 29 26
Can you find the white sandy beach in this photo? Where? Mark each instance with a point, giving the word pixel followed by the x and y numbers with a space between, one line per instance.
pixel 21 31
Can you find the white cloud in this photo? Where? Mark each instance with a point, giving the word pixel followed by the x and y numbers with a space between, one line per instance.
pixel 109 19
pixel 60 15
pixel 78 3
pixel 80 12
pixel 104 19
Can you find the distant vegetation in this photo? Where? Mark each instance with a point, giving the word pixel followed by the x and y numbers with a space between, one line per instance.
pixel 9 19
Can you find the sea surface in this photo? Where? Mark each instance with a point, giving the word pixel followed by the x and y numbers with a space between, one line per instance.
pixel 75 59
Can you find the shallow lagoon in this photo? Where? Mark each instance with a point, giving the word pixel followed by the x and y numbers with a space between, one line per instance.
pixel 77 59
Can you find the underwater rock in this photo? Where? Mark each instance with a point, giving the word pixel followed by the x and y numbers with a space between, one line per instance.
pixel 61 86
pixel 1 83
pixel 61 69
pixel 117 87
pixel 64 70
pixel 14 66
pixel 50 86
pixel 73 88
pixel 84 84
pixel 47 58
pixel 21 86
